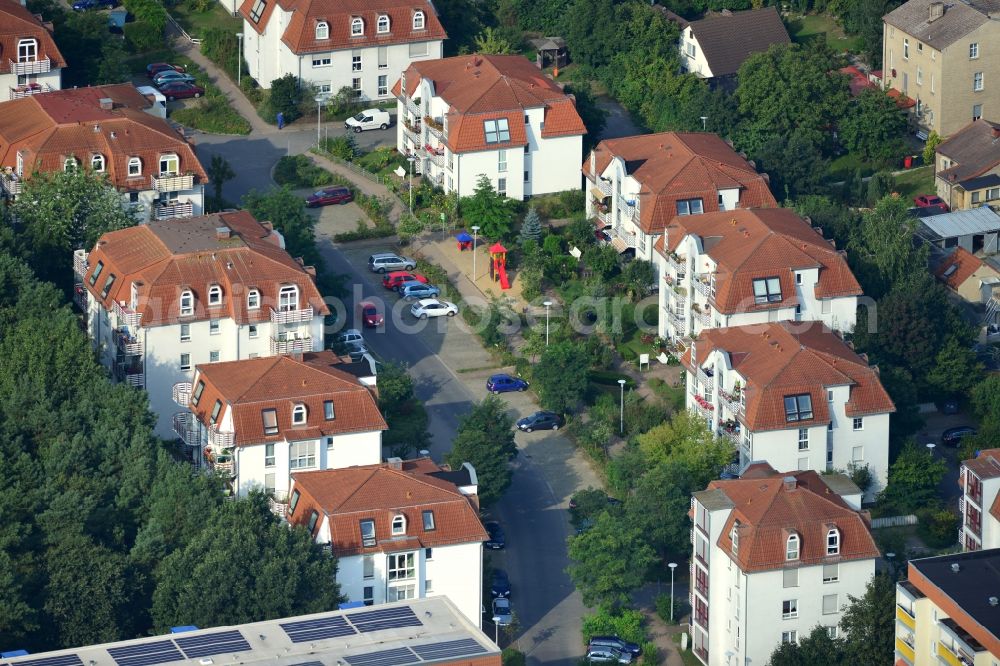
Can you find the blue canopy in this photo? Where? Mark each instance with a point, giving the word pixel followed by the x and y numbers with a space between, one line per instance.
pixel 463 237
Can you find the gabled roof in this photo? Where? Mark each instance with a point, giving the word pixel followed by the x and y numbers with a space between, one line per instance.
pixel 50 127
pixel 671 166
pixel 381 492
pixel 728 38
pixel 249 386
pixel 760 243
pixel 958 267
pixel 986 465
pixel 959 19
pixel 792 358
pixel 769 508
pixel 482 87
pixel 975 149
pixel 17 23
pixel 300 32
pixel 168 257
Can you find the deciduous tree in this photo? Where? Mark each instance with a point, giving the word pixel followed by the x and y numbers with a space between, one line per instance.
pixel 491 42
pixel 913 479
pixel 561 376
pixel 609 561
pixel 486 439
pixel 492 212
pixel 816 649
pixel 870 624
pixel 219 171
pixel 874 127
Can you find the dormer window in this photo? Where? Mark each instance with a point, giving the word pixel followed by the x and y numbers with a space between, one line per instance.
pixel 833 541
pixel 792 547
pixel 418 20
pixel 767 290
pixel 257 10
pixel 357 27
pixel 106 289
pixel 328 411
pixel 269 417
pixel 27 50
pixel 368 533
pixel 196 395
pixel 215 295
pixel 322 30
pixel 97 273
pixel 798 407
pixel 313 519
pixel 253 300
pixel 97 162
pixel 299 414
pixel 383 24
pixel 398 524
pixel 134 167
pixel 169 164
pixel 288 298
pixel 216 408
pixel 187 303
pixel 70 164
pixel 497 131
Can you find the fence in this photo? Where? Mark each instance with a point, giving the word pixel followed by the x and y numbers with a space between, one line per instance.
pixel 178 28
pixel 893 521
pixel 368 175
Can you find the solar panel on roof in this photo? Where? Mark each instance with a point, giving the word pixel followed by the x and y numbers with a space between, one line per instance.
pixel 320 628
pixel 394 657
pixel 460 648
pixel 208 644
pixel 385 618
pixel 146 654
pixel 310 663
pixel 62 660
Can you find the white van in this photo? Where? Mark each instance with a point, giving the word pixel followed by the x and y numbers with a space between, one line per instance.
pixel 369 119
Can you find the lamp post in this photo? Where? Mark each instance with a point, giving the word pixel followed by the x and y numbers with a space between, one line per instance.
pixel 239 60
pixel 930 448
pixel 411 159
pixel 704 123
pixel 892 565
pixel 547 305
pixel 475 237
pixel 621 417
pixel 319 120
pixel 672 565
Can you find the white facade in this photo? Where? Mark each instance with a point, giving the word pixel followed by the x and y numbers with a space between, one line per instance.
pixel 30 77
pixel 979 530
pixel 159 204
pixel 691 55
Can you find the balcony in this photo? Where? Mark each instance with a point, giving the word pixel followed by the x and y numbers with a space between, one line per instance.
pixel 173 209
pixel 11 184
pixel 414 132
pixel 291 346
pixel 127 344
pixel 29 89
pixel 81 297
pixel 181 393
pixel 678 264
pixel 707 380
pixel 732 402
pixel 701 653
pixel 947 656
pixel 435 126
pixel 965 647
pixel 627 238
pixel 186 428
pixel 703 288
pixel 676 322
pixel 703 406
pixel 126 316
pixel 171 183
pixel 219 440
pixel 278 508
pixel 703 318
pixel 436 156
pixel 602 214
pixel 438 179
pixel 905 649
pixel 80 264
pixel 134 379
pixel 30 67
pixel 733 433
pixel 903 616
pixel 293 316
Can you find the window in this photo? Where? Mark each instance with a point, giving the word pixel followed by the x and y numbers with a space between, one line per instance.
pixel 501 160
pixel 766 290
pixel 169 164
pixel 402 592
pixel 428 523
pixel 906 49
pixel 497 130
pixel 789 637
pixel 832 632
pixel 27 50
pixel 383 23
pixel 257 10
pixel 313 519
pixel 216 408
pixel 691 49
pixel 418 20
pixel 401 566
pixel 798 278
pixel 831 573
pixel 299 414
pixel 357 27
pixel 356 63
pixel 993 193
pixel 328 413
pixel 368 566
pixel 269 454
pixel 253 300
pixel 829 395
pixel 97 273
pixel 383 57
pixel 293 501
pixel 977 111
pixel 792 547
pixel 321 61
pixel 803 439
pixel 690 207
pixel 97 162
pixel 858 423
pixel 368 532
pixel 975 197
pixel 252 331
pixel 798 407
pixel 383 85
pixel 789 609
pixel 734 536
pixel 302 455
pixel 973 50
pixel 803 464
pixel 356 84
pixel 790 578
pixel 427 586
pixel 213 327
pixel 322 30
pixel 213 356
pixel 526 177
pixel 369 598
pixel 288 298
pixel 106 289
pixel 134 167
pixel 198 390
pixel 187 303
pixel 932 84
pixel 398 524
pixel 833 542
pixel 269 483
pixel 977 81
pixel 215 295
pixel 70 164
pixel 418 49
pixel 920 47
pixel 829 604
pixel 502 186
pixel 920 76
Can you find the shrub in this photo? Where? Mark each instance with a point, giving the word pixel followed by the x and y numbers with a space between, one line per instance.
pixel 608 378
pixel 378 208
pixel 222 47
pixel 213 114
pixel 143 36
pixel 300 171
pixel 937 527
pixel 681 607
pixel 512 657
pixel 625 623
pixel 286 97
pixel 364 232
pixel 343 147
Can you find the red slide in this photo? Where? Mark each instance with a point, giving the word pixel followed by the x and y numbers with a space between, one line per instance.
pixel 502 272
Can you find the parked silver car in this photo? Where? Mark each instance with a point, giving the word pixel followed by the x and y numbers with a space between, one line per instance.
pixel 390 261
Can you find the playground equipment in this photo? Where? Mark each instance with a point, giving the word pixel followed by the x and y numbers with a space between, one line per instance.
pixel 498 265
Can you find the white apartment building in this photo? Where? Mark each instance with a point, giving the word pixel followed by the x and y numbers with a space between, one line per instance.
pixel 259 420
pixel 638 184
pixel 741 267
pixel 31 63
pixel 497 116
pixel 331 44
pixel 773 557
pixel 979 507
pixel 162 298
pixel 400 530
pixel 793 395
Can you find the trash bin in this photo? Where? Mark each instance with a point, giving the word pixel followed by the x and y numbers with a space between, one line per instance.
pixel 908 161
pixel 281 123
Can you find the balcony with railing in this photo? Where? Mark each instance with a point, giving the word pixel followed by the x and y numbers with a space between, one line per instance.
pixel 435 155
pixel 127 343
pixel 291 345
pixel 126 316
pixel 292 316
pixel 167 182
pixel 28 89
pixel 732 400
pixel 278 504
pixel 414 131
pixel 435 126
pixel 732 431
pixel 166 211
pixel 81 298
pixel 181 393
pixel 186 427
pixel 964 647
pixel 676 321
pixel 906 618
pixel 30 67
pixel 627 238
pixel 704 318
pixel 707 379
pixel 905 649
pixel 219 441
pixel 702 406
pixel 703 287
pixel 80 264
pixel 11 184
pixel 131 373
pixel 679 264
pixel 438 178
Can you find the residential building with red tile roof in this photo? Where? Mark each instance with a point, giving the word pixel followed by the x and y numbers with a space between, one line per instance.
pixel 774 555
pixel 334 44
pixel 974 279
pixel 739 267
pixel 967 166
pixel 258 420
pixel 497 116
pixel 638 184
pixel 114 130
pixel 400 530
pixel 793 394
pixel 163 297
pixel 30 61
pixel 979 506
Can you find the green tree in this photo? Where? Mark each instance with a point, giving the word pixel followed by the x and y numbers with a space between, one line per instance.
pixel 816 649
pixel 531 227
pixel 602 260
pixel 881 184
pixel 287 211
pixel 930 146
pixel 561 376
pixel 874 127
pixel 608 562
pixel 882 247
pixel 113 67
pixel 492 212
pixel 485 438
pixel 286 96
pixel 794 162
pixel 914 478
pixel 404 414
pixel 219 172
pixel 955 370
pixel 658 507
pixel 686 441
pixel 490 42
pixel 870 623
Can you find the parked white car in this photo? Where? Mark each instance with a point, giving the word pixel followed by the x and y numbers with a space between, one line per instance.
pixel 432 307
pixel 369 119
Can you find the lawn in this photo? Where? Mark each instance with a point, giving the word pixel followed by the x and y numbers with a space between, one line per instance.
pixel 196 23
pixel 806 28
pixel 915 181
pixel 686 655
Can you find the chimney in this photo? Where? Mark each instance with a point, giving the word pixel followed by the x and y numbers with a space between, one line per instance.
pixel 106 103
pixel 223 233
pixel 395 463
pixel 936 11
pixel 955 568
pixel 310 270
pixel 789 482
pixel 995 132
pixel 268 225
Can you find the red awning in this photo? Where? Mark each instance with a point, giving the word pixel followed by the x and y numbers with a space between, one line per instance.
pixel 497 248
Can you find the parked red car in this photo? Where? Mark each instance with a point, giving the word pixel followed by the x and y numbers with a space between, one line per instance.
pixel 181 90
pixel 328 196
pixel 396 278
pixel 155 68
pixel 370 316
pixel 930 201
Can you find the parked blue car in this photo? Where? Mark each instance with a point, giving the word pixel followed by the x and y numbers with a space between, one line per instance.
pixel 413 290
pixel 84 5
pixel 504 383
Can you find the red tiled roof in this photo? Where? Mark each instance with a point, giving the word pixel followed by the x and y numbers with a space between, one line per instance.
pixel 902 101
pixel 379 493
pixel 17 23
pixel 769 510
pixel 859 82
pixel 766 242
pixel 986 465
pixel 280 382
pixel 300 33
pixel 482 87
pixel 50 127
pixel 962 265
pixel 792 358
pixel 671 166
pixel 167 257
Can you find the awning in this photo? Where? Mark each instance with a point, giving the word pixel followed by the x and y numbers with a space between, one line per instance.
pixel 600 224
pixel 598 194
pixel 619 244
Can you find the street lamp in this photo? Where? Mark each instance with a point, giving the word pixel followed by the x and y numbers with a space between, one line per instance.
pixel 672 565
pixel 621 418
pixel 319 112
pixel 930 448
pixel 704 123
pixel 547 305
pixel 475 237
pixel 411 159
pixel 239 61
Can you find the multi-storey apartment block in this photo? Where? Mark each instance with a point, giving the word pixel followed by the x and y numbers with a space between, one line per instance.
pixel 30 62
pixel 488 115
pixel 400 530
pixel 946 611
pixel 979 507
pixel 164 297
pixel 638 184
pixel 258 420
pixel 792 394
pixel 756 266
pixel 773 557
pixel 331 44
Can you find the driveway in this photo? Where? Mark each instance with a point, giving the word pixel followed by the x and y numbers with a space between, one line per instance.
pixel 449 368
pixel 619 121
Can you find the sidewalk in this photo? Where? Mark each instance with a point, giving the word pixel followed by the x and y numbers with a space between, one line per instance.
pixel 660 632
pixel 369 187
